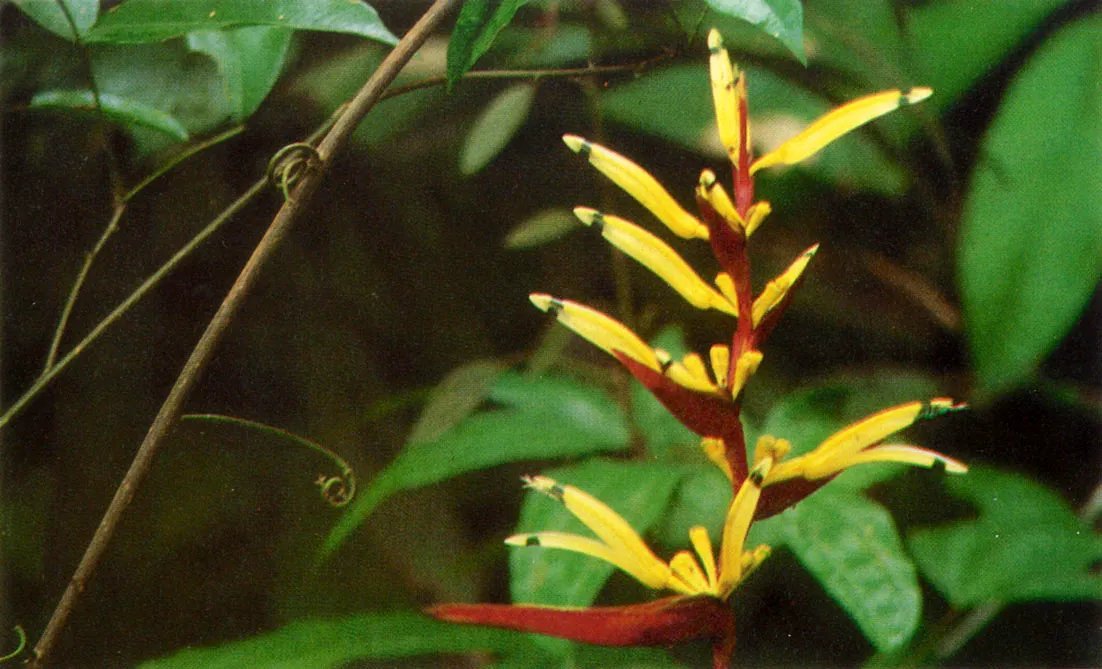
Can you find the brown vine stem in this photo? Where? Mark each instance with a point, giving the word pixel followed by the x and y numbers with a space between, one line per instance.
pixel 334 141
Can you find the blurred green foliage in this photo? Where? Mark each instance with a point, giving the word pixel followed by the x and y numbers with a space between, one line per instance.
pixel 961 246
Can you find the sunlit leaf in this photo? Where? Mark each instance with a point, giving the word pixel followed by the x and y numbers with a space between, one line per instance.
pixel 1031 240
pixel 1026 544
pixel 154 20
pixel 114 107
pixel 50 15
pixel 638 491
pixel 545 226
pixel 495 127
pixel 477 26
pixel 333 642
pixel 249 59
pixel 783 19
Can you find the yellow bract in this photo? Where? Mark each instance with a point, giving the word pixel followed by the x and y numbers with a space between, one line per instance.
pixel 602 331
pixel 836 123
pixel 658 257
pixel 639 184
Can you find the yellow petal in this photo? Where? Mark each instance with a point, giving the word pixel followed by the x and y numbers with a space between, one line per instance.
pixel 569 542
pixel 776 289
pixel 658 257
pixel 721 362
pixel 639 184
pixel 717 453
pixel 683 376
pixel 702 544
pixel 604 332
pixel 727 288
pixel 724 95
pixel 632 554
pixel 745 367
pixel 911 455
pixel 840 448
pixel 685 568
pixel 756 215
pixel 837 123
pixel 712 192
pixel 735 527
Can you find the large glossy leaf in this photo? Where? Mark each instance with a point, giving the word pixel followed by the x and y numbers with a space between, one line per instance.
pixel 1026 544
pixel 153 20
pixel 333 642
pixel 249 60
pixel 851 546
pixel 117 108
pixel 638 491
pixel 477 26
pixel 944 47
pixel 783 19
pixel 495 127
pixel 549 417
pixel 1031 240
pixel 50 15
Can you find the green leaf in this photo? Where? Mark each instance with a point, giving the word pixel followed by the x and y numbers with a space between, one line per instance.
pixel 564 400
pixel 476 28
pixel 702 498
pixel 334 642
pixel 943 44
pixel 50 15
pixel 114 107
pixel 550 417
pixel 1026 544
pixel 1030 251
pixel 851 546
pixel 810 415
pixel 541 228
pixel 454 398
pixel 495 127
pixel 154 20
pixel 660 430
pixel 639 491
pixel 249 60
pixel 783 19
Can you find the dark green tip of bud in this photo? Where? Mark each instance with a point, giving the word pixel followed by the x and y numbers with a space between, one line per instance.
pixel 585 149
pixel 556 307
pixel 756 478
pixel 598 221
pixel 556 492
pixel 532 541
pixel 938 466
pixel 715 49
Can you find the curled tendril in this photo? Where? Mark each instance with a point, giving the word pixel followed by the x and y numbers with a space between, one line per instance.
pixel 18 629
pixel 336 490
pixel 289 164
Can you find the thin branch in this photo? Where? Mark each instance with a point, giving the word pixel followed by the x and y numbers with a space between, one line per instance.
pixel 112 226
pixel 170 410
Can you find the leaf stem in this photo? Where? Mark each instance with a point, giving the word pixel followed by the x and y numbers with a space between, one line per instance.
pixel 170 411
